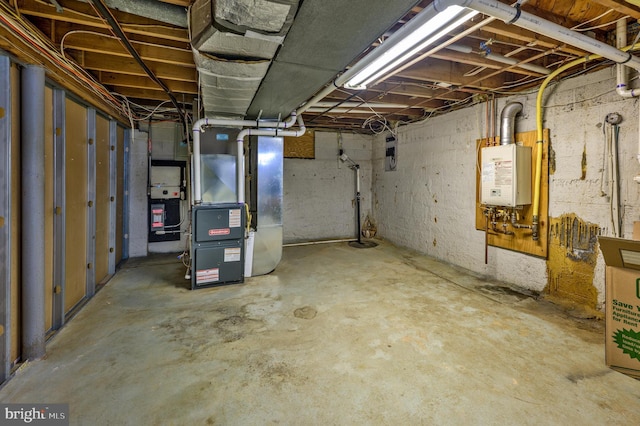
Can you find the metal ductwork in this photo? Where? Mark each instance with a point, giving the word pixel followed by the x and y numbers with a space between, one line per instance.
pixel 508 122
pixel 152 9
pixel 233 44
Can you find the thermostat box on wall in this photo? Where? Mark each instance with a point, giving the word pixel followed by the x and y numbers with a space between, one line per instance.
pixel 622 304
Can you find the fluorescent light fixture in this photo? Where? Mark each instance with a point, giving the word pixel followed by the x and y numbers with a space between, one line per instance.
pixel 426 34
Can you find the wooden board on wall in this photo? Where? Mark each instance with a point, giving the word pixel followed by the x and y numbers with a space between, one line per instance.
pixel 521 241
pixel 48 208
pixel 15 214
pixel 76 204
pixel 302 147
pixel 103 150
pixel 119 194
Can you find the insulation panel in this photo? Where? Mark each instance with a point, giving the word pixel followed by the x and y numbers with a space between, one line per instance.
pixel 76 204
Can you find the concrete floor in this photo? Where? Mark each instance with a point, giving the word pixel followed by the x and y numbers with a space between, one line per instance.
pixel 336 336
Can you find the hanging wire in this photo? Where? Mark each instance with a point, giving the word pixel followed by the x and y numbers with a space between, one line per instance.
pixel 602 15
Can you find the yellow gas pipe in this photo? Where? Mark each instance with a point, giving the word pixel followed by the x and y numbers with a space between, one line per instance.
pixel 540 136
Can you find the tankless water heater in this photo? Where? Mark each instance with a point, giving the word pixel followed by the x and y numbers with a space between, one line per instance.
pixel 506 175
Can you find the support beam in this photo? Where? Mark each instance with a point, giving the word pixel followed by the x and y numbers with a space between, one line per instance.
pixel 33 212
pixel 5 217
pixel 59 197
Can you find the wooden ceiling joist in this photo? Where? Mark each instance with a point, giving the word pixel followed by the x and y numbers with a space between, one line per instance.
pixel 111 63
pixel 111 46
pixel 114 79
pixel 83 14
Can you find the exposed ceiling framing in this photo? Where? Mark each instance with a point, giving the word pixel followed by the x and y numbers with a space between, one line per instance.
pixel 441 80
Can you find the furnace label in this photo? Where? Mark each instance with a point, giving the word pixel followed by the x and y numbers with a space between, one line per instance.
pixel 235 219
pixel 207 275
pixel 232 254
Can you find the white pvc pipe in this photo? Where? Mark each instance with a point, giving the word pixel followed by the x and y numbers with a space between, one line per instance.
pixel 511 61
pixel 538 25
pixel 501 58
pixel 621 71
pixel 491 8
pixel 622 79
pixel 203 122
pixel 259 132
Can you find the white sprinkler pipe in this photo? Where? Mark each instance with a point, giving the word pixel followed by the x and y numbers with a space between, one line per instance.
pixel 520 18
pixel 493 8
pixel 204 122
pixel 622 79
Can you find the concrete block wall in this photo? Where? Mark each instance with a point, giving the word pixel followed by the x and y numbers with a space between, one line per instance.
pixel 319 194
pixel 428 203
pixel 138 210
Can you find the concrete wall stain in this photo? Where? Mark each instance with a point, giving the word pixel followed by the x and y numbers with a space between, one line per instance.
pixel 552 159
pixel 573 252
pixel 583 176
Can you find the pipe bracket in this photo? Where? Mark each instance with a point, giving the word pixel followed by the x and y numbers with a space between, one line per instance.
pixel 629 58
pixel 518 12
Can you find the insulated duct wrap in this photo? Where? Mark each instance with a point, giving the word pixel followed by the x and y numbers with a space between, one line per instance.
pixel 233 44
pixel 241 28
pixel 228 86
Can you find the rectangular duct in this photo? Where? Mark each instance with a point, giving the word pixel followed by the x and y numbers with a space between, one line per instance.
pixel 228 86
pixel 233 43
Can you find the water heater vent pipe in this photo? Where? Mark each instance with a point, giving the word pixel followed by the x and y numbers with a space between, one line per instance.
pixel 508 123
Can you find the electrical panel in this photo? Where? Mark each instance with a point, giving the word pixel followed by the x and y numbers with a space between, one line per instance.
pixel 164 220
pixel 506 175
pixel 166 182
pixel 157 217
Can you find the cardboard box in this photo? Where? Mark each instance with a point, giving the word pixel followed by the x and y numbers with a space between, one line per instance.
pixel 622 304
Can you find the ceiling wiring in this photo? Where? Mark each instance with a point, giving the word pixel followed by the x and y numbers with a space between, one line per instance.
pixel 105 13
pixel 602 15
pixel 64 37
pixel 602 25
pixel 13 21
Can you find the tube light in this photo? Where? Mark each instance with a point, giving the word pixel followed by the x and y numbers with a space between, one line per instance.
pixel 422 37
